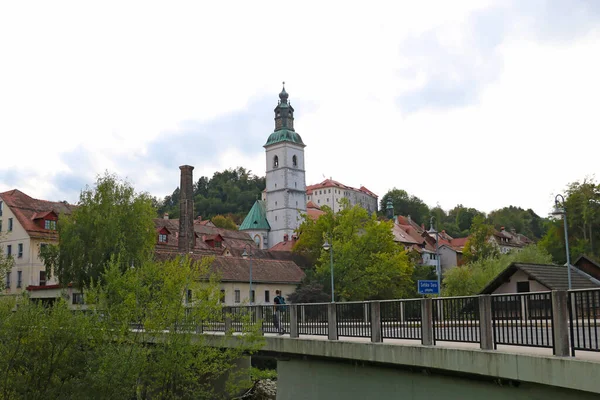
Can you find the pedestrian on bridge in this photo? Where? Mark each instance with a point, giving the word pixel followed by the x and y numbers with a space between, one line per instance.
pixel 280 307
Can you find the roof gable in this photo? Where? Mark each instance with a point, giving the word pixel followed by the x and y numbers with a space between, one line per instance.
pixel 256 218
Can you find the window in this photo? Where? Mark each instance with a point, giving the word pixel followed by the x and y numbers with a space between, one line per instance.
pixel 319 201
pixel 77 298
pixel 329 191
pixel 10 224
pixel 523 287
pixel 294 161
pixel 276 218
pixel 253 296
pixel 50 225
pixel 275 204
pixel 42 278
pixel 20 250
pixel 222 295
pixel 8 279
pixel 275 162
pixel 295 184
pixel 9 250
pixel 218 243
pixel 19 279
pixel 189 295
pixel 162 238
pixel 328 199
pixel 237 296
pixel 267 296
pixel 257 240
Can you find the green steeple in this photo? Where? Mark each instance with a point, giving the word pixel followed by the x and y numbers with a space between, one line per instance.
pixel 284 122
pixel 256 218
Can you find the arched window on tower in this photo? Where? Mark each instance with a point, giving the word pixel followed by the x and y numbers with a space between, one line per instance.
pixel 294 161
pixel 275 162
pixel 257 240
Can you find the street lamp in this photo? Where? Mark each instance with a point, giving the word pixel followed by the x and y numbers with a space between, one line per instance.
pixel 247 254
pixel 437 256
pixel 561 209
pixel 329 247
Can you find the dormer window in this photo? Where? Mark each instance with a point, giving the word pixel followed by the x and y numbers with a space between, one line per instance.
pixel 50 224
pixel 294 161
pixel 162 238
pixel 275 162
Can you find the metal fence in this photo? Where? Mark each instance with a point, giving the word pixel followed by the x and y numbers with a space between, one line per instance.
pixel 276 319
pixel 313 319
pixel 523 319
pixel 353 319
pixel 456 319
pixel 584 319
pixel 401 319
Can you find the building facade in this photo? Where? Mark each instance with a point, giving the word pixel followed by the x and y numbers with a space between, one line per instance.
pixel 26 225
pixel 330 192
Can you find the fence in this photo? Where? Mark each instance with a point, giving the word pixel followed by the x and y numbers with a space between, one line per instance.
pixel 523 319
pixel 566 321
pixel 584 315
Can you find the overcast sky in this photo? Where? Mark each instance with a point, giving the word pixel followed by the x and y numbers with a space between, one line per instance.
pixel 484 103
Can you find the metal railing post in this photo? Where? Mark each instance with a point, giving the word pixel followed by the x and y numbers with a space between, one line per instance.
pixel 259 319
pixel 560 323
pixel 376 336
pixel 486 330
pixel 294 321
pixel 427 322
pixel 332 321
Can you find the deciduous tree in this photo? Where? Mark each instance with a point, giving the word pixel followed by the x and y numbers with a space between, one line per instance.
pixel 479 246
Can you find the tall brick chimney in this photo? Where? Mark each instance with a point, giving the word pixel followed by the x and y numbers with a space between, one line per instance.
pixel 186 210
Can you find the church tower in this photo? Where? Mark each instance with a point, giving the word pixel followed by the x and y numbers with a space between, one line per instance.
pixel 286 183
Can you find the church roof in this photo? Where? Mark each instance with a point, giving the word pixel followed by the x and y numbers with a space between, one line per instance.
pixel 256 218
pixel 284 135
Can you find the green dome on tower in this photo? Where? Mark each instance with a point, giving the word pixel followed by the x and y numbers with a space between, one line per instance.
pixel 284 122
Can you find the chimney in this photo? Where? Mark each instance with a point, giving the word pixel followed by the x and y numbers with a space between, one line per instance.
pixel 409 220
pixel 166 216
pixel 502 228
pixel 186 210
pixel 285 237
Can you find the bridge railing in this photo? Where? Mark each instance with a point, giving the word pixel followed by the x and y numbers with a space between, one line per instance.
pixel 566 321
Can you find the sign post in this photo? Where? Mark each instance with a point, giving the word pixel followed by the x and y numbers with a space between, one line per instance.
pixel 428 287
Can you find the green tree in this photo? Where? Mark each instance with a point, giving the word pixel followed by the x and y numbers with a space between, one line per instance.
pixel 525 222
pixel 470 279
pixel 479 246
pixel 405 204
pixel 368 264
pixel 55 353
pixel 111 219
pixel 225 222
pixel 583 219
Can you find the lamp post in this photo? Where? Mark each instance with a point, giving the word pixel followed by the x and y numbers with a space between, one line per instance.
pixel 329 247
pixel 437 256
pixel 561 209
pixel 247 254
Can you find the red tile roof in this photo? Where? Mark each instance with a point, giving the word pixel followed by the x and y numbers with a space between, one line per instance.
pixel 27 209
pixel 237 269
pixel 286 245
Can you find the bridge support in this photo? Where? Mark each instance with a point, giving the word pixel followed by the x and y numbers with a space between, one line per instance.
pixel 486 329
pixel 427 322
pixel 332 321
pixel 376 322
pixel 560 323
pixel 294 321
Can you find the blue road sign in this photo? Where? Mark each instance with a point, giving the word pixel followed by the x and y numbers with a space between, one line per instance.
pixel 428 287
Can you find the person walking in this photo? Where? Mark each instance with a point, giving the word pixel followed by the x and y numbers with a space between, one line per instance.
pixel 280 307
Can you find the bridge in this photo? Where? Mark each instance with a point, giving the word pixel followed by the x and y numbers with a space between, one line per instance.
pixel 518 346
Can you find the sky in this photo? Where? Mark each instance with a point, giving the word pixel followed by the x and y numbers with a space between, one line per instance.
pixel 481 103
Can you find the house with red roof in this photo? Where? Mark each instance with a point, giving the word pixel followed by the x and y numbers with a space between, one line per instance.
pixel 330 192
pixel 27 225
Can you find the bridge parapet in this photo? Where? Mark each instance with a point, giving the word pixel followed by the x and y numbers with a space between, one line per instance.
pixel 564 321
